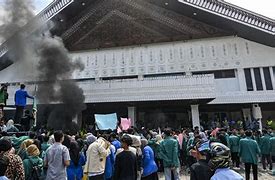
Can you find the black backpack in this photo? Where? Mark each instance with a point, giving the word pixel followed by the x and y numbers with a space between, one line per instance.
pixel 36 172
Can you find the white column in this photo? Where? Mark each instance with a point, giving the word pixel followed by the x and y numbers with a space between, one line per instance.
pixel 132 113
pixel 262 78
pixel 241 78
pixel 272 77
pixel 195 115
pixel 253 79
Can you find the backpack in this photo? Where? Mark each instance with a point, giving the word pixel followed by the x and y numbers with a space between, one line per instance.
pixel 36 172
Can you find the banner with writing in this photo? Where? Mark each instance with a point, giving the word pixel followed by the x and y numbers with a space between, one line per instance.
pixel 106 121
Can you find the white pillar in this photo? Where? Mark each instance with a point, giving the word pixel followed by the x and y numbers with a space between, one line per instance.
pixel 132 113
pixel 272 77
pixel 262 78
pixel 253 79
pixel 241 78
pixel 195 115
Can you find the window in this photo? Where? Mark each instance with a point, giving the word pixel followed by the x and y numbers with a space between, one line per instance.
pixel 267 78
pixel 248 80
pixel 219 74
pixel 259 84
pixel 224 74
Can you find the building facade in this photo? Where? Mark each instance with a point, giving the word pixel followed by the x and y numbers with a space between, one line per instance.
pixel 164 63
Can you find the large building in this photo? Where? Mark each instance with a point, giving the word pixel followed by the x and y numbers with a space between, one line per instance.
pixel 163 62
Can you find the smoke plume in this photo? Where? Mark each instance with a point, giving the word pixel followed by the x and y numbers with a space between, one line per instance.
pixel 16 14
pixel 55 66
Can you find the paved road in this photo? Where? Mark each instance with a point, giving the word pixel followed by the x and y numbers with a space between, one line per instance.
pixel 262 175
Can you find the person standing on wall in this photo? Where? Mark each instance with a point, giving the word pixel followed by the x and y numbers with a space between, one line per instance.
pixel 20 99
pixel 3 98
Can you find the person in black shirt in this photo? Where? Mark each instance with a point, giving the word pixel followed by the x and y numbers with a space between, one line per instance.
pixel 126 161
pixel 201 170
pixel 27 121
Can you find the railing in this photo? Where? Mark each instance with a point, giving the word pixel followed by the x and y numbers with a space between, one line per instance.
pixel 45 15
pixel 147 89
pixel 236 13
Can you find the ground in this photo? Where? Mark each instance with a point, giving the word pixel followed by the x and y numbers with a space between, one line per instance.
pixel 262 175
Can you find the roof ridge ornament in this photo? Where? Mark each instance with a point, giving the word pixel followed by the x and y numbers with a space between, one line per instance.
pixel 230 10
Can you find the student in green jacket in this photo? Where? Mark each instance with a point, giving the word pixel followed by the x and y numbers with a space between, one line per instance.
pixel 169 154
pixel 272 148
pixel 249 151
pixel 265 149
pixel 3 99
pixel 32 160
pixel 234 142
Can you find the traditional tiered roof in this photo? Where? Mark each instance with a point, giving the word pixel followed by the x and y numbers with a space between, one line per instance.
pixel 169 20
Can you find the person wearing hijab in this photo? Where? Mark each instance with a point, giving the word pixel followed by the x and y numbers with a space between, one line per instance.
pixel 74 170
pixel 32 160
pixel 22 152
pixel 150 169
pixel 11 127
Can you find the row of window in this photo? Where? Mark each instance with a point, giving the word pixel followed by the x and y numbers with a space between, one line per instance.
pixel 258 79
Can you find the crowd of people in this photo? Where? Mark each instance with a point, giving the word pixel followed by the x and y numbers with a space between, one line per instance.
pixel 133 154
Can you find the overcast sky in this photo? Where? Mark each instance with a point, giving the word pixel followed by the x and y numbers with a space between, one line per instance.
pixel 264 7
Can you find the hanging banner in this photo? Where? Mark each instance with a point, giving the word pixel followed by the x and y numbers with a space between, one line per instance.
pixel 106 121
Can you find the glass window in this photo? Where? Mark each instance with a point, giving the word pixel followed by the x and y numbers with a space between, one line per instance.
pixel 267 78
pixel 248 79
pixel 259 84
pixel 219 74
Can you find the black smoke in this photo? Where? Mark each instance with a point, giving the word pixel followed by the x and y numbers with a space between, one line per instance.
pixel 16 14
pixel 55 67
pixel 55 70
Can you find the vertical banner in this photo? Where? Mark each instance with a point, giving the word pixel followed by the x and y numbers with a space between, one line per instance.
pixel 106 121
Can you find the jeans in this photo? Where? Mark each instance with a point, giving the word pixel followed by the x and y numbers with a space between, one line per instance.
pixel 266 157
pixel 247 171
pixel 97 177
pixel 235 159
pixel 176 173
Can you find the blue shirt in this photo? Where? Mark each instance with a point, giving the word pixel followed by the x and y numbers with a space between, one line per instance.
pixel 226 174
pixel 3 178
pixel 20 97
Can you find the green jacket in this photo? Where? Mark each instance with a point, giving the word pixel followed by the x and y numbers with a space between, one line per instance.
pixel 3 97
pixel 272 146
pixel 234 142
pixel 265 144
pixel 28 165
pixel 169 152
pixel 249 150
pixel 155 147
